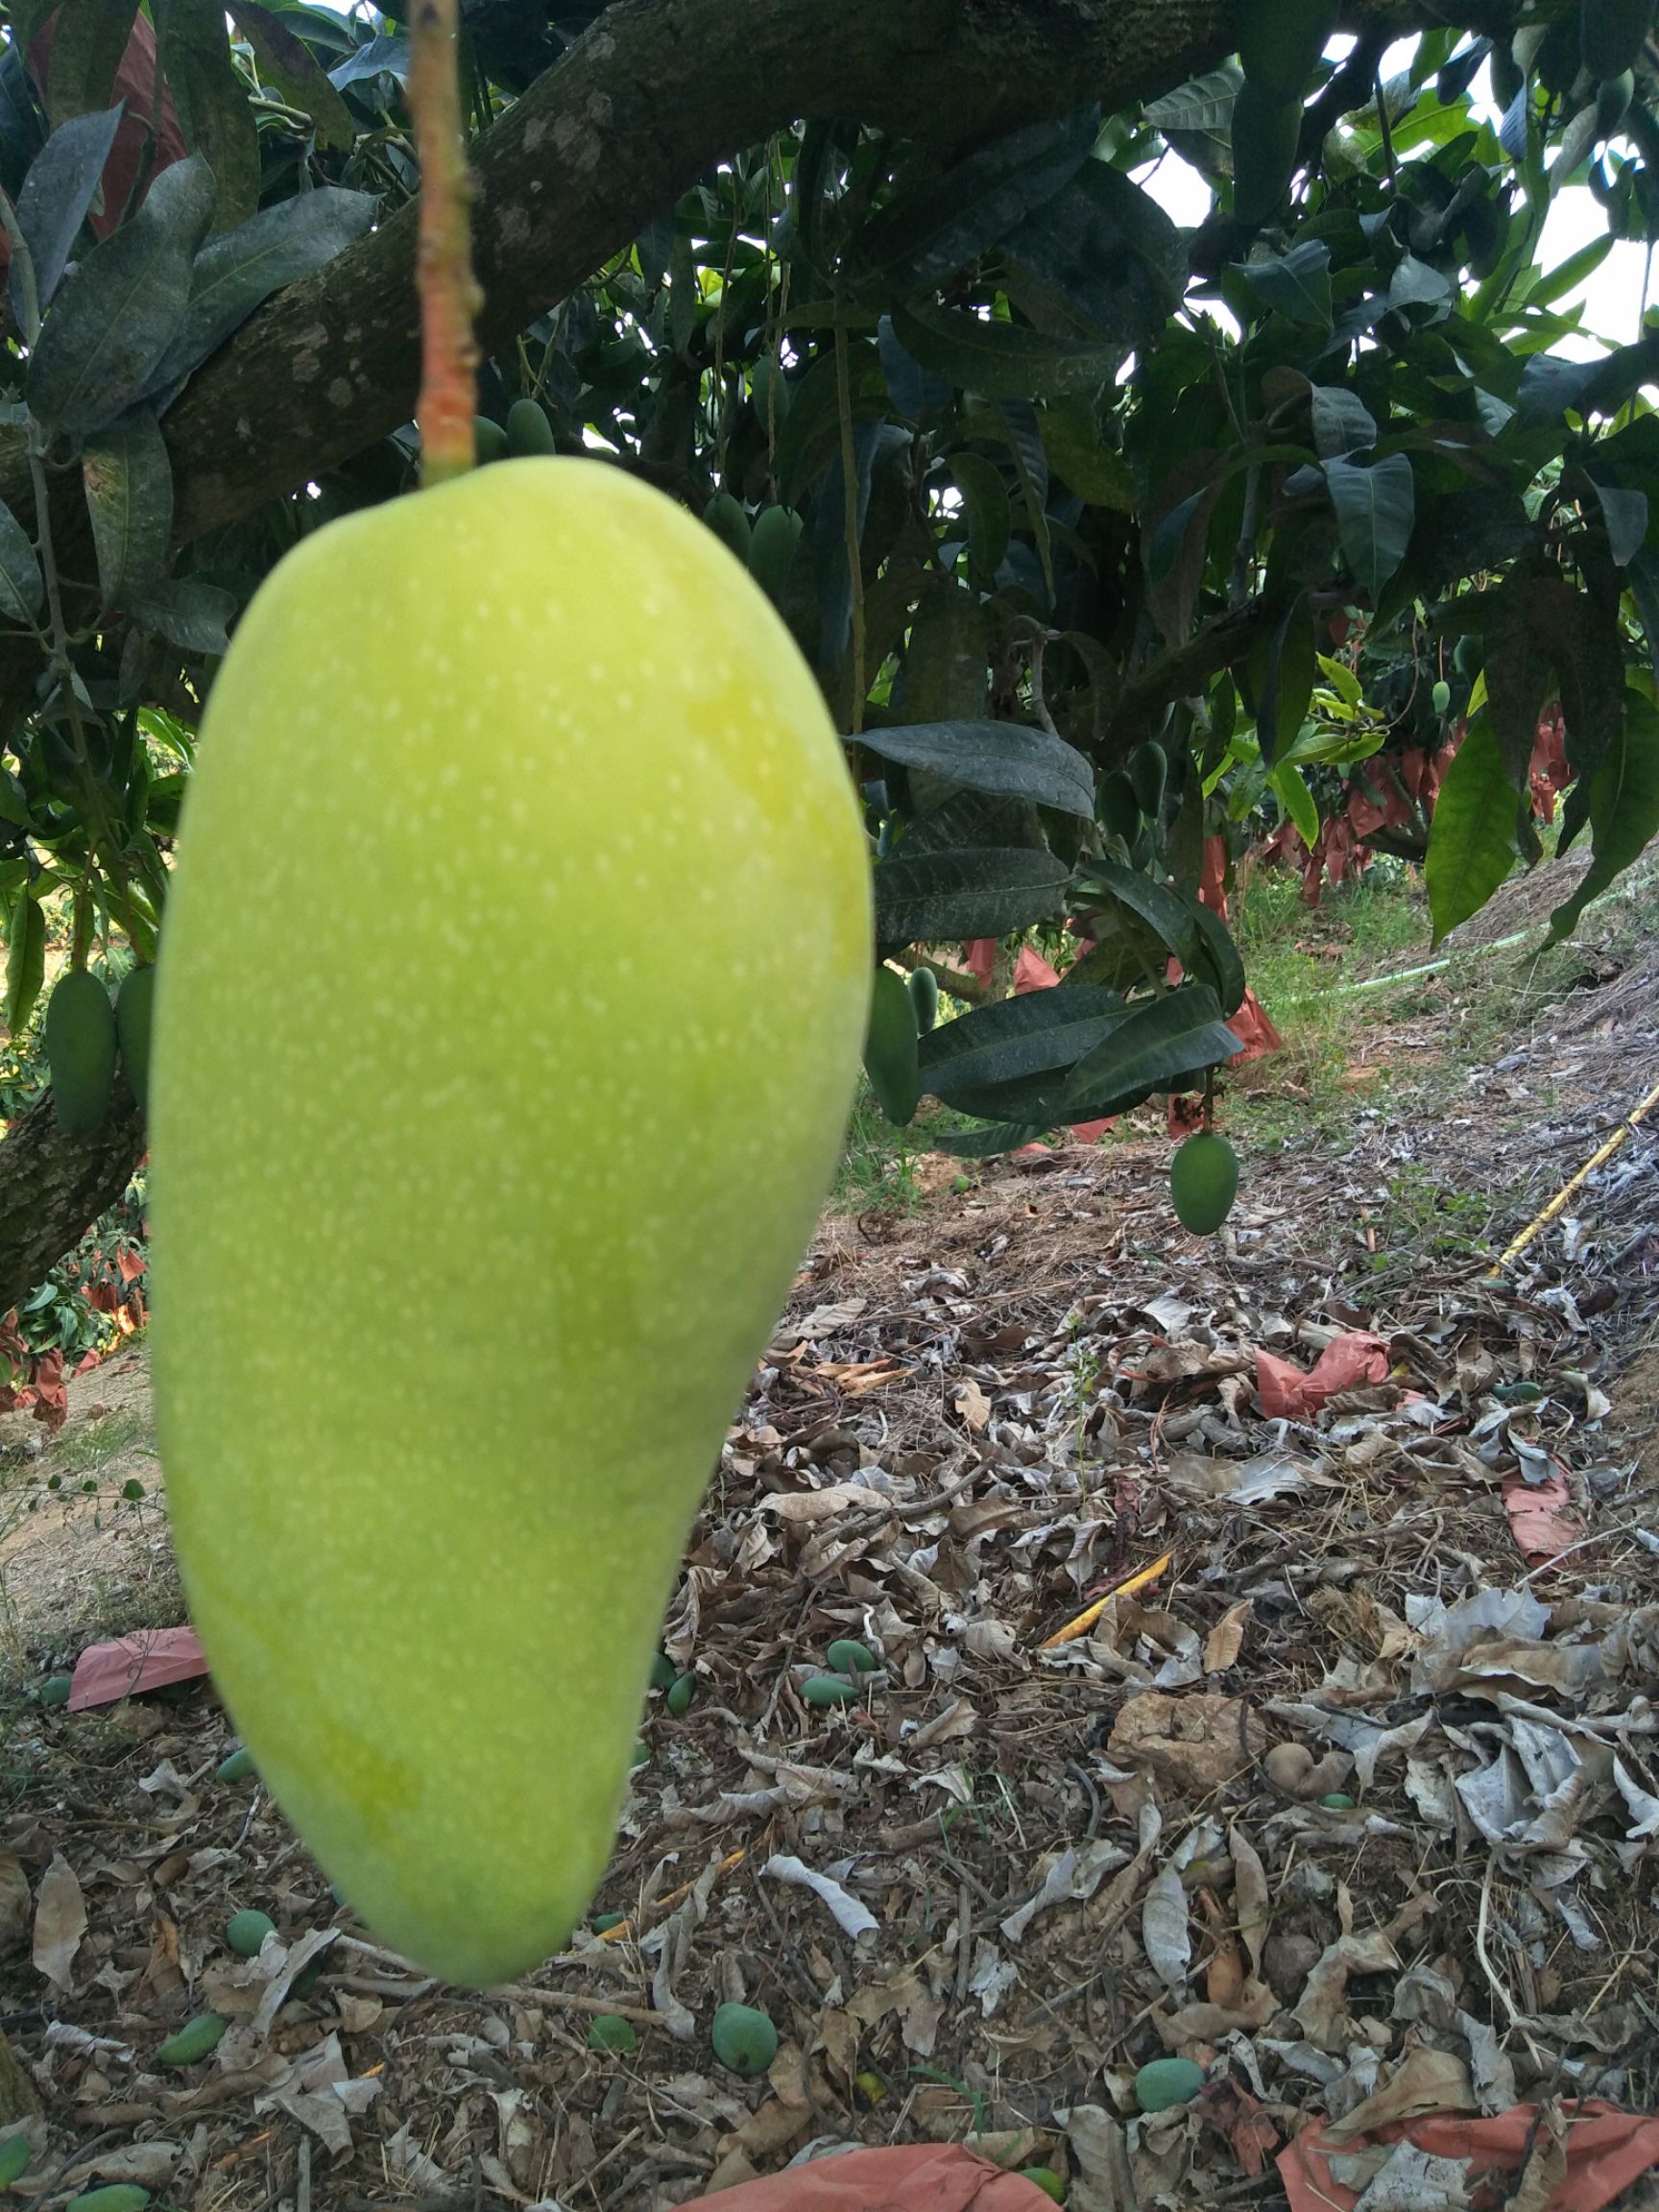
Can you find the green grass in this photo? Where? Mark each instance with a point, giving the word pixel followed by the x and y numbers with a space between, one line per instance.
pixel 877 1170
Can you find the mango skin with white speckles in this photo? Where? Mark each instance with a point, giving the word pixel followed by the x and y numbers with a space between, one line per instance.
pixel 510 1005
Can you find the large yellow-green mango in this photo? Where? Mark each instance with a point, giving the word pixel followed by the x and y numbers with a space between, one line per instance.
pixel 510 1006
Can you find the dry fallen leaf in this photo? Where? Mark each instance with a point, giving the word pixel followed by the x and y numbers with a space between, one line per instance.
pixel 14 1903
pixel 972 1402
pixel 59 1922
pixel 1226 1640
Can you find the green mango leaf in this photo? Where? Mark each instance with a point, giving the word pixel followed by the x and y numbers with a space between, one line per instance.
pixel 1375 509
pixel 937 897
pixel 1167 1038
pixel 1104 252
pixel 63 181
pixel 1297 802
pixel 242 268
pixel 287 62
pixel 1289 671
pixel 22 590
pixel 986 504
pixel 1080 457
pixel 1343 423
pixel 25 961
pixel 1217 963
pixel 1163 911
pixel 110 325
pixel 1472 840
pixel 1004 758
pixel 1296 284
pixel 1624 808
pixel 986 1144
pixel 1519 667
pixel 933 229
pixel 129 483
pixel 379 56
pixel 1000 360
pixel 1625 513
pixel 213 104
pixel 88 42
pixel 1016 1037
pixel 188 613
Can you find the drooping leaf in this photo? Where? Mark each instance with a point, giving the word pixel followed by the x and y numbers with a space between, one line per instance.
pixel 1288 667
pixel 1297 284
pixel 88 42
pixel 25 960
pixel 233 273
pixel 188 613
pixel 1005 757
pixel 213 104
pixel 1519 666
pixel 1626 515
pixel 1034 1034
pixel 938 228
pixel 63 181
pixel 129 482
pixel 1163 1040
pixel 1375 509
pixel 936 898
pixel 110 325
pixel 1624 808
pixel 1080 457
pixel 915 392
pixel 1163 911
pixel 287 62
pixel 999 360
pixel 1297 801
pixel 1218 963
pixel 22 590
pixel 986 505
pixel 1471 839
pixel 986 1144
pixel 379 56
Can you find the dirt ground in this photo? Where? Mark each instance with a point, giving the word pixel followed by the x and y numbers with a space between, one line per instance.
pixel 1348 1794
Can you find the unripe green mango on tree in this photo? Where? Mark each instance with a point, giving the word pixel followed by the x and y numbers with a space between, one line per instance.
pixel 526 1184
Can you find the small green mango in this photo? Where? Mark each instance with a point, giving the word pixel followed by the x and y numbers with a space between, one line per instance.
pixel 528 429
pixel 81 1046
pixel 1149 772
pixel 890 1056
pixel 489 440
pixel 847 1656
pixel 193 2041
pixel 1441 696
pixel 726 517
pixel 1167 2082
pixel 1119 808
pixel 1045 2178
pixel 134 1003
pixel 246 1931
pixel 772 548
pixel 56 1688
pixel 828 1690
pixel 923 986
pixel 681 1691
pixel 16 2153
pixel 559 702
pixel 603 1922
pixel 663 1672
pixel 744 2039
pixel 237 1767
pixel 114 2196
pixel 610 2031
pixel 1204 1181
pixel 1338 1801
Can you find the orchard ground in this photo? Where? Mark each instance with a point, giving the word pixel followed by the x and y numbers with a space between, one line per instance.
pixel 998 1393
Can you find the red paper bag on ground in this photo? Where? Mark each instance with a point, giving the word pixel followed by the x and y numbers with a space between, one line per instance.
pixel 919 2178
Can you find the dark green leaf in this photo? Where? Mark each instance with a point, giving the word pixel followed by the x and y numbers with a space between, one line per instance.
pixel 1218 963
pixel 1289 670
pixel 1297 284
pixel 1176 1034
pixel 188 613
pixel 213 104
pixel 986 505
pixel 129 482
pixel 1374 507
pixel 944 676
pixel 233 273
pixel 1105 251
pixel 985 1143
pixel 383 56
pixel 288 64
pixel 1005 757
pixel 1204 106
pixel 1032 1034
pixel 936 898
pixel 1520 666
pixel 1625 514
pixel 58 189
pixel 936 228
pixel 1164 913
pixel 913 390
pixel 25 960
pixel 21 589
pixel 1472 840
pixel 114 319
pixel 1343 423
pixel 1624 808
pixel 1081 458
pixel 88 42
pixel 999 360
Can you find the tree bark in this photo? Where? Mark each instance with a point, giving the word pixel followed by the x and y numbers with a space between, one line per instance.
pixel 54 1187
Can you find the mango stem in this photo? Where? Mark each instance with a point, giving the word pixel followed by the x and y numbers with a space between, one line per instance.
pixel 450 293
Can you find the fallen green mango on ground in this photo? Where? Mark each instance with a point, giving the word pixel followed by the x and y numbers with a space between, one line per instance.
pixel 517 816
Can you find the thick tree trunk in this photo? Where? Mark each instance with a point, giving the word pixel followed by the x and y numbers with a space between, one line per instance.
pixel 53 1187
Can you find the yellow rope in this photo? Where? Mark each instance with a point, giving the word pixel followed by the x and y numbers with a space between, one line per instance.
pixel 1087 1619
pixel 1594 1161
